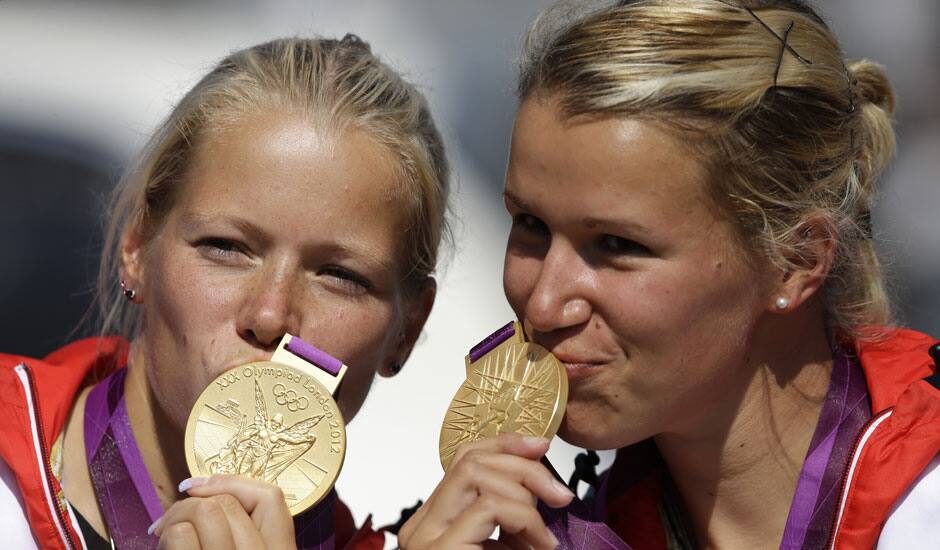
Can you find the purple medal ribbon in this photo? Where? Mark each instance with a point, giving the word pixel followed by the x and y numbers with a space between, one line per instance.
pixel 125 493
pixel 487 344
pixel 576 527
pixel 844 413
pixel 126 496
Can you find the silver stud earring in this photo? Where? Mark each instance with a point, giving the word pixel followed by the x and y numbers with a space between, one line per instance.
pixel 782 303
pixel 129 293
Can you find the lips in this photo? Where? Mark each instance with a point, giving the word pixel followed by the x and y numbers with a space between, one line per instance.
pixel 578 361
pixel 578 367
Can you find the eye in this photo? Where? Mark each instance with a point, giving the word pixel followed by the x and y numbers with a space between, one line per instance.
pixel 219 248
pixel 346 279
pixel 619 246
pixel 529 224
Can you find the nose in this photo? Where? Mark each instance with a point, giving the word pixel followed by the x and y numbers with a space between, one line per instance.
pixel 559 298
pixel 269 308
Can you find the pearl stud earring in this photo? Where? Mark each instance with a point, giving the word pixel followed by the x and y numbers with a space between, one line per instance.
pixel 782 303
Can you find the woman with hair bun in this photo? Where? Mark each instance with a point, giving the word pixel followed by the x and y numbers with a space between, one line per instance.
pixel 299 189
pixel 690 183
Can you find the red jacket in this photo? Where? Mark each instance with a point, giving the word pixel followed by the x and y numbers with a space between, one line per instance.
pixel 36 397
pixel 893 453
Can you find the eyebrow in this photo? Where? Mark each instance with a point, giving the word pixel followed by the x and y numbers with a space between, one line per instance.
pixel 518 202
pixel 191 222
pixel 590 222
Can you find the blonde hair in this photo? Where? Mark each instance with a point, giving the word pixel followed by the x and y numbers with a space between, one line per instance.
pixel 337 82
pixel 760 90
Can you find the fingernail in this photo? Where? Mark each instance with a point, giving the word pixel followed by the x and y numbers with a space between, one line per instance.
pixel 191 482
pixel 153 527
pixel 532 441
pixel 554 539
pixel 561 488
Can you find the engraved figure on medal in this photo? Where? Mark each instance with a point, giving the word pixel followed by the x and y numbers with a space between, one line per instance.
pixel 271 429
pixel 519 388
pixel 265 448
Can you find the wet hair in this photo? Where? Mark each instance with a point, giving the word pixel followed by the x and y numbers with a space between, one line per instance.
pixel 759 89
pixel 336 84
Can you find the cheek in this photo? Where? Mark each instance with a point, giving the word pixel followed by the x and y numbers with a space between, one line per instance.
pixel 361 336
pixel 519 278
pixel 355 388
pixel 680 307
pixel 189 334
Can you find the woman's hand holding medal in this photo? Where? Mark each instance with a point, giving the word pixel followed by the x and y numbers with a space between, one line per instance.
pixel 492 482
pixel 227 511
pixel 495 432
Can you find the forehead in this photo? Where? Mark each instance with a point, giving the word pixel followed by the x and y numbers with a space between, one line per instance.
pixel 294 178
pixel 613 161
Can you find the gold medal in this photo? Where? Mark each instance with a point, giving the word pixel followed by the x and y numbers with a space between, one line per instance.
pixel 275 421
pixel 511 386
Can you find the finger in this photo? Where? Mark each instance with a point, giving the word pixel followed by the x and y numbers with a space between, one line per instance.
pixel 465 479
pixel 493 482
pixel 264 503
pixel 480 472
pixel 509 443
pixel 244 532
pixel 179 536
pixel 479 521
pixel 204 516
pixel 512 541
pixel 410 527
pixel 508 475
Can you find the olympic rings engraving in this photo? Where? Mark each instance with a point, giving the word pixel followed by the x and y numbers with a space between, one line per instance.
pixel 284 396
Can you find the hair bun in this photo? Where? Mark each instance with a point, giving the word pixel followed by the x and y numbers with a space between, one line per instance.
pixel 871 84
pixel 353 40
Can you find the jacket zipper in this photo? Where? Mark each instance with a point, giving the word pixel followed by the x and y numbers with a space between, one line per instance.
pixel 40 431
pixel 843 485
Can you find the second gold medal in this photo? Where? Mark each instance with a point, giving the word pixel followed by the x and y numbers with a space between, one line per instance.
pixel 512 386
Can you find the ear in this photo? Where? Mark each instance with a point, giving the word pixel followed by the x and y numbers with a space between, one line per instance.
pixel 813 254
pixel 132 265
pixel 419 309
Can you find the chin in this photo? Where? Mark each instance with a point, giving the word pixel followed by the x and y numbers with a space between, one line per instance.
pixel 586 436
pixel 589 431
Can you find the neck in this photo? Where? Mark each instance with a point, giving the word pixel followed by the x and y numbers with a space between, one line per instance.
pixel 159 441
pixel 737 470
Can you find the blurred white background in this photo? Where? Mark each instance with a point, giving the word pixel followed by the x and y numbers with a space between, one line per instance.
pixel 83 83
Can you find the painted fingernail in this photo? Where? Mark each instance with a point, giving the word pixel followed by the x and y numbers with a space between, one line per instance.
pixel 561 488
pixel 153 527
pixel 191 482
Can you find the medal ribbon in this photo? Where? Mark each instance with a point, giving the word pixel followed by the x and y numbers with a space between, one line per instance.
pixel 845 411
pixel 126 496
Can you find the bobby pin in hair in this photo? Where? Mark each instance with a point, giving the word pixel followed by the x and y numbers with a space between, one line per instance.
pixel 782 41
pixel 864 223
pixel 851 83
pixel 786 36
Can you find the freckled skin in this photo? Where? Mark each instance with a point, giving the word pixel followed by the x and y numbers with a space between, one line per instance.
pixel 617 264
pixel 318 207
pixel 670 322
pixel 278 227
